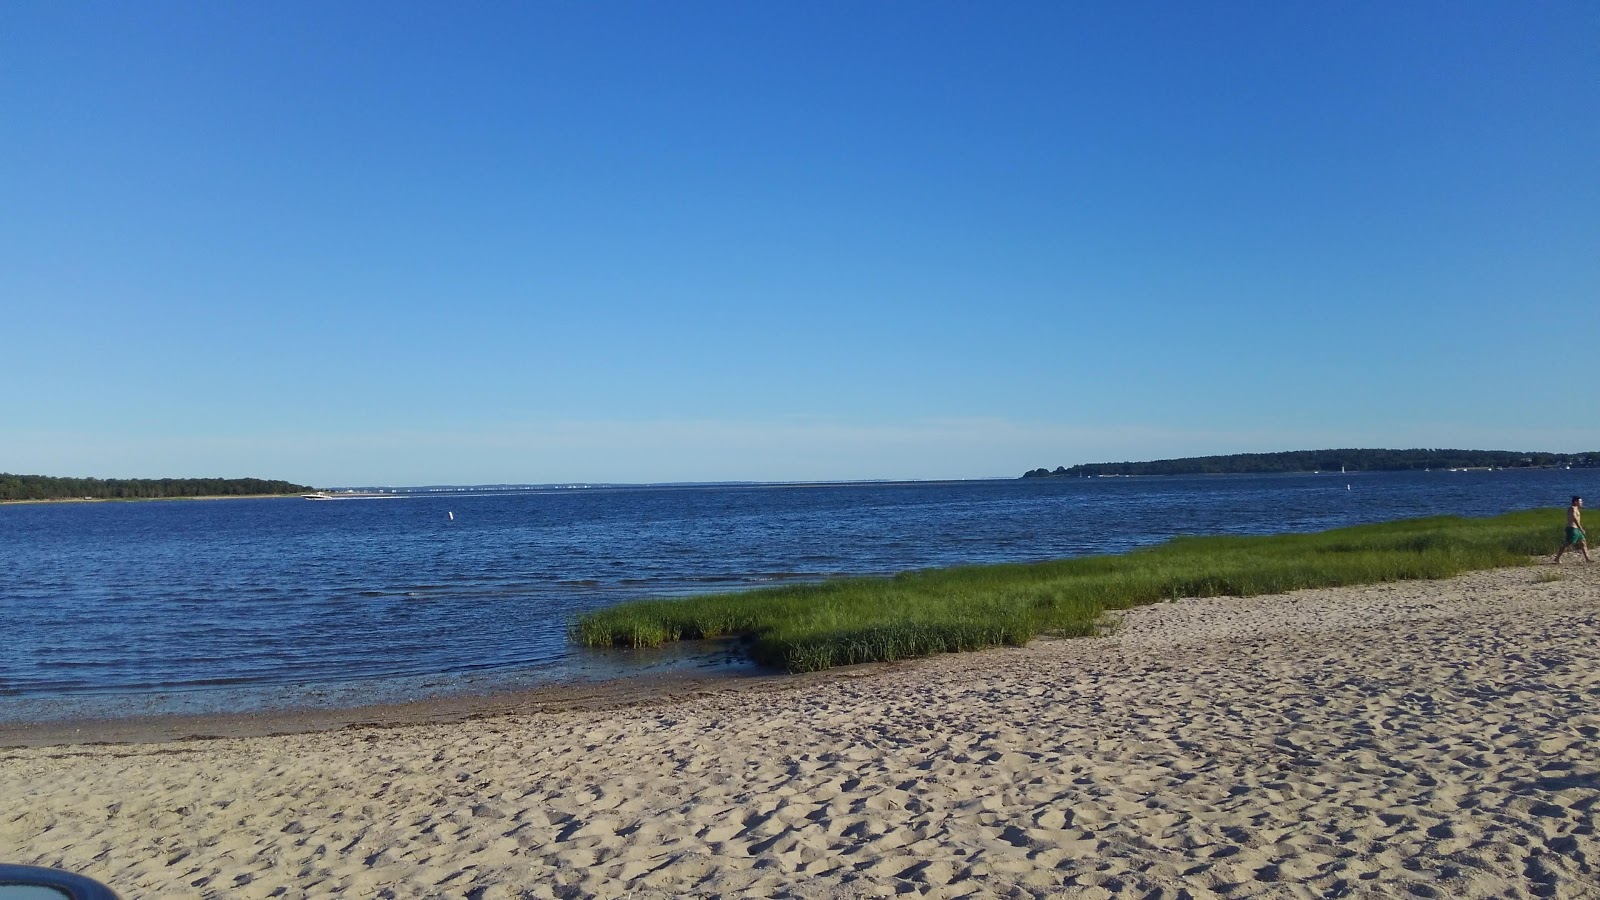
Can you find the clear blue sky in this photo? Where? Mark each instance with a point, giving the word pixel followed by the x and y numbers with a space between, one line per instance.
pixel 391 243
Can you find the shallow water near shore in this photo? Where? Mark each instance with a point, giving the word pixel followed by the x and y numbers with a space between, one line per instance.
pixel 238 605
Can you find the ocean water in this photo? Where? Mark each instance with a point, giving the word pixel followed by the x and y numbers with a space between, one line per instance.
pixel 202 606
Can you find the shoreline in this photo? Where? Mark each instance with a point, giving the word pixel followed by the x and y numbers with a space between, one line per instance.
pixel 294 496
pixel 1424 738
pixel 621 693
pixel 612 694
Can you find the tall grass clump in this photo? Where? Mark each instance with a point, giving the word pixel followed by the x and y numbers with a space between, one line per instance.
pixel 808 627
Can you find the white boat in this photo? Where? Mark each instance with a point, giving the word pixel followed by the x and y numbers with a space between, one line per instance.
pixel 317 495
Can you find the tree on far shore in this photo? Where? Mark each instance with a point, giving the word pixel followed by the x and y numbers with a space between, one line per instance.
pixel 45 487
pixel 1329 460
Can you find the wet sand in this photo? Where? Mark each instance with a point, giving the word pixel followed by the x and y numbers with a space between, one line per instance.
pixel 1429 739
pixel 621 693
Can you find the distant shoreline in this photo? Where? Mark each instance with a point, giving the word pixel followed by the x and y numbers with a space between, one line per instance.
pixel 1312 462
pixel 1295 472
pixel 294 496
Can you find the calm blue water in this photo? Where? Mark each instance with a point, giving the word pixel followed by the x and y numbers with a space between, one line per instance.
pixel 184 606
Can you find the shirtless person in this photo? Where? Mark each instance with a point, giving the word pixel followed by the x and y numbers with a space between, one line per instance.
pixel 1575 536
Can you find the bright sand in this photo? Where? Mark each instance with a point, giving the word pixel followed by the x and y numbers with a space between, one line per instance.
pixel 1430 739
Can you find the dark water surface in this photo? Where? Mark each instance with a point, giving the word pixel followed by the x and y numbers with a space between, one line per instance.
pixel 201 606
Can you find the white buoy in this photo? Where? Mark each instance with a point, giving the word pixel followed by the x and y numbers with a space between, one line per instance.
pixel 1347 487
pixel 451 515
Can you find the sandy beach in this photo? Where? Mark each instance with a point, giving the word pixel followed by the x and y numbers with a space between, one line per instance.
pixel 1425 739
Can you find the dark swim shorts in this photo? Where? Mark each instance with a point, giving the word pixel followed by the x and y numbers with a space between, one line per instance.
pixel 1574 535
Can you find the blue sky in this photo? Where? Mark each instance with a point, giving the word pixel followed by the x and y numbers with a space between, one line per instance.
pixel 389 243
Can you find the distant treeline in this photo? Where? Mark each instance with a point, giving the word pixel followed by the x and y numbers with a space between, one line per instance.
pixel 43 487
pixel 1326 460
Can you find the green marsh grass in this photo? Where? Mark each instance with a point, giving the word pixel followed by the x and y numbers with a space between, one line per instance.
pixel 808 627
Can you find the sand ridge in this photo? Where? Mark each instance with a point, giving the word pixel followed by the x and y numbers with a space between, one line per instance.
pixel 1427 739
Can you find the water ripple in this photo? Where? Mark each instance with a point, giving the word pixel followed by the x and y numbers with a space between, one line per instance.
pixel 240 603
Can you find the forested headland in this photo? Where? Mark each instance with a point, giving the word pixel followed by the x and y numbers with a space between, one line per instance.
pixel 1328 460
pixel 44 487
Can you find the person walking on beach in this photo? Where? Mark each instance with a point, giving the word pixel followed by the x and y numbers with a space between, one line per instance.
pixel 1575 537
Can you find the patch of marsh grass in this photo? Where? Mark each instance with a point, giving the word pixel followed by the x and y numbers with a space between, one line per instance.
pixel 808 627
